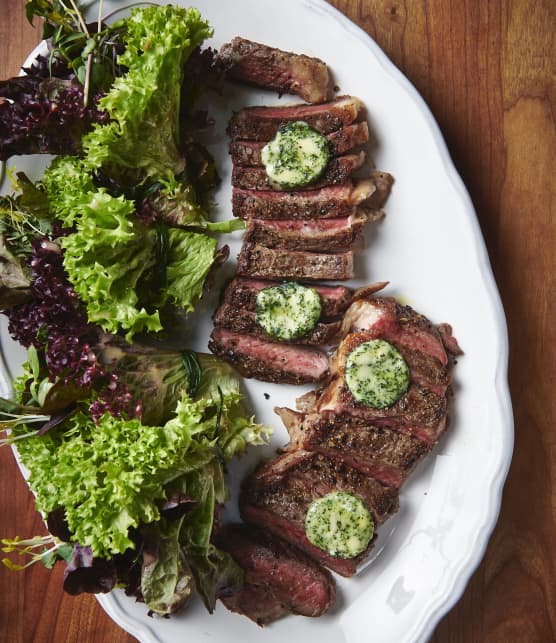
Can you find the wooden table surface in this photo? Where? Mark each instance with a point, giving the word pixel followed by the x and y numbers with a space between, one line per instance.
pixel 486 69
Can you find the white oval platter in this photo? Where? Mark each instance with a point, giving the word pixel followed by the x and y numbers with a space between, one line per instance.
pixel 430 249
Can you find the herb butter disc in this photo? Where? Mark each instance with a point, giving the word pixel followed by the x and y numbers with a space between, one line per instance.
pixel 376 374
pixel 296 156
pixel 340 524
pixel 287 311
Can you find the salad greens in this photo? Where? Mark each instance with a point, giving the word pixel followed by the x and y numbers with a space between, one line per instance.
pixel 111 257
pixel 126 443
pixel 110 476
pixel 142 135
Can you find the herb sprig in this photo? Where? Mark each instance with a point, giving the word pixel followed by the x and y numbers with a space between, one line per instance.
pixel 88 50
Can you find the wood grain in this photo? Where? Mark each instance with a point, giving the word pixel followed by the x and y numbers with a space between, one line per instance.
pixel 486 70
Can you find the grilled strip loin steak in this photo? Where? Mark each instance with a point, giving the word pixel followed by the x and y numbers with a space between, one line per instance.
pixel 381 452
pixel 338 171
pixel 340 141
pixel 277 496
pixel 420 411
pixel 262 123
pixel 287 73
pixel 279 578
pixel 269 361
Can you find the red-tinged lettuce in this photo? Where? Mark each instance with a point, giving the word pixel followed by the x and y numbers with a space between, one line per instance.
pixel 44 115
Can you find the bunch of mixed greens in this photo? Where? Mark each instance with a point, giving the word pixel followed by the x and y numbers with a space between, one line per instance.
pixel 126 444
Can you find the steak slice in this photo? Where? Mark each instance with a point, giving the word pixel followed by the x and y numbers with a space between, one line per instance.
pixel 420 411
pixel 238 319
pixel 278 495
pixel 273 263
pixel 340 141
pixel 399 324
pixel 381 452
pixel 242 293
pixel 261 123
pixel 313 235
pixel 269 361
pixel 279 578
pixel 424 369
pixel 287 73
pixel 324 203
pixel 338 171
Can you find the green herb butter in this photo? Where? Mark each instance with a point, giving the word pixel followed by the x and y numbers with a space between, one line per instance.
pixel 296 156
pixel 376 374
pixel 340 524
pixel 287 311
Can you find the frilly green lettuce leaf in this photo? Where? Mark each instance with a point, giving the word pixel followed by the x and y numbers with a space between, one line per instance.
pixel 144 104
pixel 109 477
pixel 190 257
pixel 111 255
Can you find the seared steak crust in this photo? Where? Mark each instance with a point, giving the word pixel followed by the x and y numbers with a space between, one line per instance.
pixel 287 73
pixel 273 263
pixel 279 578
pixel 381 452
pixel 269 361
pixel 420 411
pixel 325 235
pixel 340 141
pixel 262 123
pixel 338 170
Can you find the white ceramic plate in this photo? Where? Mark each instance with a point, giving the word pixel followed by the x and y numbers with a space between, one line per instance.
pixel 430 249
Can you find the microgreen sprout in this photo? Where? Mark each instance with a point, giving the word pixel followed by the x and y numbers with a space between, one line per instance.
pixel 44 549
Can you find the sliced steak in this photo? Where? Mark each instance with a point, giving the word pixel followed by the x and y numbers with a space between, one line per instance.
pixel 238 319
pixel 340 141
pixel 261 123
pixel 313 235
pixel 420 411
pixel 269 361
pixel 324 203
pixel 278 495
pixel 242 293
pixel 279 578
pixel 379 451
pixel 273 263
pixel 270 68
pixel 399 324
pixel 338 171
pixel 425 369
pixel 257 603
